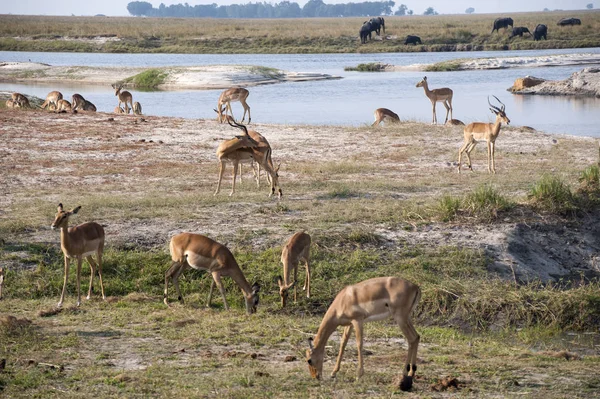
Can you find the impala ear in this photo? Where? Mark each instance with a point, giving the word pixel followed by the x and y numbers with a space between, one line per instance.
pixel 255 288
pixel 280 281
pixel 60 207
pixel 76 209
pixel 310 344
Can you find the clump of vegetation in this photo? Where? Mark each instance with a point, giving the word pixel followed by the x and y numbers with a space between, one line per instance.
pixel 149 79
pixel 369 67
pixel 552 195
pixel 485 203
pixel 445 66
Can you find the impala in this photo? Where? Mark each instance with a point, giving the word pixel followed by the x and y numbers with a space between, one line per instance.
pixel 385 115
pixel 295 250
pixel 88 106
pixel 483 131
pixel 234 94
pixel 370 300
pixel 202 253
pixel 63 106
pixel 52 98
pixel 443 95
pixel 79 242
pixel 77 102
pixel 244 148
pixel 455 122
pixel 20 99
pixel 1 280
pixel 137 108
pixel 10 103
pixel 124 97
pixel 119 110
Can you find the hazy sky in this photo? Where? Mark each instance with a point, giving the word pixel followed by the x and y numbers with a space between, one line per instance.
pixel 119 7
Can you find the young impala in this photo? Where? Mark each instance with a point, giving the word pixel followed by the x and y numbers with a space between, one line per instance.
pixel 79 242
pixel 124 97
pixel 371 300
pixel 443 95
pixel 297 249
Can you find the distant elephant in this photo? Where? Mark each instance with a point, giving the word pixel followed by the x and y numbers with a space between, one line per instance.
pixel 540 31
pixel 365 31
pixel 410 39
pixel 518 31
pixel 502 23
pixel 569 21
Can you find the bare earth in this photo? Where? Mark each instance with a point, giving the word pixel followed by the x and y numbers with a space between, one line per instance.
pixel 125 171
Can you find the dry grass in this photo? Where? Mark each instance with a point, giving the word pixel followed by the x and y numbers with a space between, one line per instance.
pixel 312 35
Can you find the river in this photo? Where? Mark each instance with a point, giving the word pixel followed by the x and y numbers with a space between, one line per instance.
pixel 347 101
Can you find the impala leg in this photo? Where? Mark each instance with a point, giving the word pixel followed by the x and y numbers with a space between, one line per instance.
pixel 210 293
pixel 217 280
pixel 343 342
pixel 99 257
pixel 173 273
pixel 295 266
pixel 460 152
pixel 235 169
pixel 358 327
pixel 307 281
pixel 92 272
pixel 228 108
pixel 240 171
pixel 221 172
pixel 62 295
pixel 410 366
pixel 79 261
pixel 468 152
pixel 448 110
pixel 493 148
pixel 434 121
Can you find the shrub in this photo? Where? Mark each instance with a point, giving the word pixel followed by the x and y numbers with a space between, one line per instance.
pixel 552 195
pixel 485 203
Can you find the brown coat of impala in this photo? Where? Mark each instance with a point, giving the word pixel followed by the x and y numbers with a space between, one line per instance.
pixel 371 300
pixel 21 100
pixel 385 115
pixel 443 95
pixel 52 98
pixel 296 249
pixel 79 242
pixel 202 253
pixel 124 97
pixel 483 131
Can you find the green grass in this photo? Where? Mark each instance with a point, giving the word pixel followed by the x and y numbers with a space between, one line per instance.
pixel 552 195
pixel 147 80
pixel 369 67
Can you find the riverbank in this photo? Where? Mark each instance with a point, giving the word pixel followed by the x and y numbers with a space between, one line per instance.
pixel 290 36
pixel 167 78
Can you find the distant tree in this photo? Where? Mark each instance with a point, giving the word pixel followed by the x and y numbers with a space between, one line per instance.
pixel 546 9
pixel 590 6
pixel 138 8
pixel 401 10
pixel 430 11
pixel 410 12
pixel 470 10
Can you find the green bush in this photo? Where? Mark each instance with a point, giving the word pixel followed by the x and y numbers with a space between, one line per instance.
pixel 552 195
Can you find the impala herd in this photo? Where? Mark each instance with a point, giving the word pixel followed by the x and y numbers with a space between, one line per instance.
pixel 370 300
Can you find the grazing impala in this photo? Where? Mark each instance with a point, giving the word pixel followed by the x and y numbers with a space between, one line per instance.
pixel 295 250
pixel 370 300
pixel 483 131
pixel 21 100
pixel 124 97
pixel 79 242
pixel 202 253
pixel 10 103
pixel 443 95
pixel 1 280
pixel 385 115
pixel 88 106
pixel 63 106
pixel 119 110
pixel 77 102
pixel 245 148
pixel 137 108
pixel 234 94
pixel 52 98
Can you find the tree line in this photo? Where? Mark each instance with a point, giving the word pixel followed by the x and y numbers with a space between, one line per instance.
pixel 284 9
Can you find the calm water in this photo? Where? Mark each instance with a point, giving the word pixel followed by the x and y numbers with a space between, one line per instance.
pixel 347 101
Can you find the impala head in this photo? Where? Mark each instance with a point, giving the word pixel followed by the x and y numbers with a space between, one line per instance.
pixel 314 360
pixel 117 88
pixel 252 300
pixel 62 216
pixel 283 290
pixel 422 82
pixel 221 116
pixel 499 112
pixel 275 178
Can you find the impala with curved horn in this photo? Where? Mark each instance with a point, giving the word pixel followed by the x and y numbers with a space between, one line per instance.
pixel 483 131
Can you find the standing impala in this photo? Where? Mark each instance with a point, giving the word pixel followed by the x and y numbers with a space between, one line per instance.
pixel 370 300
pixel 443 95
pixel 202 253
pixel 124 97
pixel 234 94
pixel 79 242
pixel 483 131
pixel 295 250
pixel 244 148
